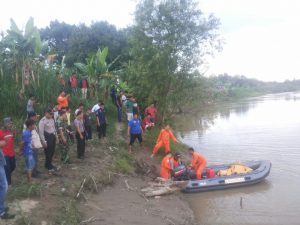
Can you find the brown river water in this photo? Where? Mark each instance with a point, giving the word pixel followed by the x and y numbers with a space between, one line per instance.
pixel 266 127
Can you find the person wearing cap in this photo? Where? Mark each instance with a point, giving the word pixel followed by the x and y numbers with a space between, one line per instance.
pixel 80 135
pixel 3 185
pixel 8 134
pixel 35 142
pixel 61 126
pixel 48 137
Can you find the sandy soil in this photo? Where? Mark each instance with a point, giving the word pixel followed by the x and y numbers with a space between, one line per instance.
pixel 120 205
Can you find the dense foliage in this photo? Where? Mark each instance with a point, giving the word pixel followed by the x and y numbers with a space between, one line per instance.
pixel 77 42
pixel 166 45
pixel 156 59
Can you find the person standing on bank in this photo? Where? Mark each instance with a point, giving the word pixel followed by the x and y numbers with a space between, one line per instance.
pixel 8 134
pixel 36 144
pixel 101 121
pixel 80 134
pixel 84 87
pixel 49 138
pixel 4 215
pixel 119 106
pixel 134 131
pixel 30 104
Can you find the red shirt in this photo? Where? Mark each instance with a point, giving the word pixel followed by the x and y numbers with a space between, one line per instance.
pixel 152 111
pixel 146 121
pixel 8 149
pixel 73 81
pixel 84 84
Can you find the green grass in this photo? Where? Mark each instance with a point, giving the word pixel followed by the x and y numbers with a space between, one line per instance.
pixel 69 214
pixel 123 162
pixel 25 190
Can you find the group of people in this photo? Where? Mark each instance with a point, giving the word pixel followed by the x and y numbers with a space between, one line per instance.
pixel 170 160
pixel 56 130
pixel 74 85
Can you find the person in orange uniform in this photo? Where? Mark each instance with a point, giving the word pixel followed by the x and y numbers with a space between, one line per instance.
pixel 63 100
pixel 164 140
pixel 176 159
pixel 198 163
pixel 166 166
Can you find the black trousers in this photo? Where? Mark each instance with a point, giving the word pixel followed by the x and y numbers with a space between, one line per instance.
pixel 80 145
pixel 9 167
pixel 49 151
pixel 101 130
pixel 88 130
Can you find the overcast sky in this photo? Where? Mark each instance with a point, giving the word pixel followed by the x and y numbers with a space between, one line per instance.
pixel 262 37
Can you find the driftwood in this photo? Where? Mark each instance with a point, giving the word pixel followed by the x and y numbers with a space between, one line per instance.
pixel 161 191
pixel 90 220
pixel 162 187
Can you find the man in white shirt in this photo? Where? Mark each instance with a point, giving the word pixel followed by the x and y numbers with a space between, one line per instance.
pixel 96 107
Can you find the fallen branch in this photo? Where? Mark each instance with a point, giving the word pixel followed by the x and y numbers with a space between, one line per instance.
pixel 144 197
pixel 163 187
pixel 90 220
pixel 96 187
pixel 81 187
pixel 161 191
pixel 128 186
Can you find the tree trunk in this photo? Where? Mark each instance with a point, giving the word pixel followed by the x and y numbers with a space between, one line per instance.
pixel 1 72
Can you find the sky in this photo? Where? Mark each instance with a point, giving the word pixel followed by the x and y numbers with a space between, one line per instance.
pixel 261 37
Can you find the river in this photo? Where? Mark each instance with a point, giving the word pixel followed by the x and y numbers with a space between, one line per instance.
pixel 266 127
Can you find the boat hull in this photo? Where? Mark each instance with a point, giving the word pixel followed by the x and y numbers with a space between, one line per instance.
pixel 261 170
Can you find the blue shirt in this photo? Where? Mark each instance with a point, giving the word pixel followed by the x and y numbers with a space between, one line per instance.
pixel 135 126
pixel 101 115
pixel 26 138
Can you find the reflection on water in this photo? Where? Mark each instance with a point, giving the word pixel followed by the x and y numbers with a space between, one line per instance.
pixel 266 127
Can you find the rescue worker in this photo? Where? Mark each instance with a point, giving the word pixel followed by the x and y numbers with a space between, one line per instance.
pixel 63 146
pixel 164 140
pixel 198 163
pixel 166 166
pixel 63 100
pixel 176 160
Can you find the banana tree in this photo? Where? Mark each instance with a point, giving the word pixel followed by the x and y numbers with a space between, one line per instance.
pixel 97 69
pixel 24 48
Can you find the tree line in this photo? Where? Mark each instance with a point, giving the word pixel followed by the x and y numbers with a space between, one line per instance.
pixel 158 57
